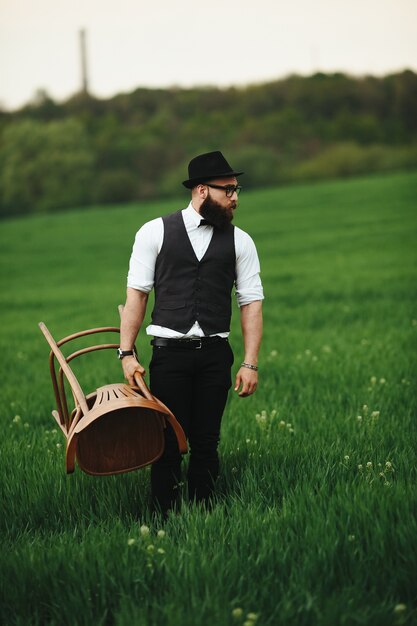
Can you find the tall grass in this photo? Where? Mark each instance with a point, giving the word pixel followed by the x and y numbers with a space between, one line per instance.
pixel 315 521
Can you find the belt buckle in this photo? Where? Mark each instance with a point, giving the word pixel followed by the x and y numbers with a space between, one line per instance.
pixel 200 344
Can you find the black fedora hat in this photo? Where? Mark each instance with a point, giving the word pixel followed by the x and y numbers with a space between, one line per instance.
pixel 207 166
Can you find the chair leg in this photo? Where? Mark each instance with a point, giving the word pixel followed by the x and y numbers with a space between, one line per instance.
pixel 62 427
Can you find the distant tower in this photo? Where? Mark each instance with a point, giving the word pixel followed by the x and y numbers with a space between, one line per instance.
pixel 84 77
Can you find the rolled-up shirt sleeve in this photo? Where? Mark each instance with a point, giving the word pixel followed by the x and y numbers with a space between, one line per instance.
pixel 248 282
pixel 148 242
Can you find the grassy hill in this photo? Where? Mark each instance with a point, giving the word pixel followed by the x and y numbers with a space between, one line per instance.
pixel 316 519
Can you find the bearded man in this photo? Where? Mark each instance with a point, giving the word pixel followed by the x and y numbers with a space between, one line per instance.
pixel 192 259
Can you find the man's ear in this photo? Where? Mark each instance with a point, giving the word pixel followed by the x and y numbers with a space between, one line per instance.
pixel 202 191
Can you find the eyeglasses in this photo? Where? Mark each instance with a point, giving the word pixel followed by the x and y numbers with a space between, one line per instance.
pixel 229 189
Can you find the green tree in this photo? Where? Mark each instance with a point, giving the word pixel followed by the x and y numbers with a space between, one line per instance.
pixel 44 166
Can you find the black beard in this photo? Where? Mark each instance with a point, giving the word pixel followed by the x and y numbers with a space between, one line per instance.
pixel 216 214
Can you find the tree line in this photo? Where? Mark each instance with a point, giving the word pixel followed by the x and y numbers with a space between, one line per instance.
pixel 135 146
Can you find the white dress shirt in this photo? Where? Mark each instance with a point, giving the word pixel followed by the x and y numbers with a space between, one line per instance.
pixel 148 243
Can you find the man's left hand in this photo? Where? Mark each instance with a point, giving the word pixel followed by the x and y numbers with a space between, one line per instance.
pixel 247 381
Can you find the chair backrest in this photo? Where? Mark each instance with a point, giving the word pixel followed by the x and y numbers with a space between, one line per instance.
pixel 65 370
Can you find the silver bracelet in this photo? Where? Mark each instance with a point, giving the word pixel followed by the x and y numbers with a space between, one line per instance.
pixel 249 366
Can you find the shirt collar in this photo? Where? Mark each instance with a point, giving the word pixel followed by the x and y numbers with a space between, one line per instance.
pixel 193 214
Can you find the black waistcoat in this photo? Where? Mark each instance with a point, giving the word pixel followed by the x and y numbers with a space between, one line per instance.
pixel 189 290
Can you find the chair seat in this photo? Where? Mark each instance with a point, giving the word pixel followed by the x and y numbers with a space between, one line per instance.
pixel 122 432
pixel 120 441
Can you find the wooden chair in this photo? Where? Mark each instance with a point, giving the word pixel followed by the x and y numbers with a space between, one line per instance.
pixel 116 429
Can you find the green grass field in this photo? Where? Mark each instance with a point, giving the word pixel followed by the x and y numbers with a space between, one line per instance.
pixel 317 501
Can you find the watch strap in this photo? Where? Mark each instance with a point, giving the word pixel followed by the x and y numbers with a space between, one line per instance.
pixel 122 353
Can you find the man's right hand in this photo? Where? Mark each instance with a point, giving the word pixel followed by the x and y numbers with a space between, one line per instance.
pixel 131 365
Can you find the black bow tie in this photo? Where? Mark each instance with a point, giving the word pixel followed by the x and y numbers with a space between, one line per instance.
pixel 205 223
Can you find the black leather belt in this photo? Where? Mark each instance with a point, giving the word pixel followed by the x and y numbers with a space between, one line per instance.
pixel 190 343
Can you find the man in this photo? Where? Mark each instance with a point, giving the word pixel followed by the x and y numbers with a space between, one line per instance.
pixel 192 259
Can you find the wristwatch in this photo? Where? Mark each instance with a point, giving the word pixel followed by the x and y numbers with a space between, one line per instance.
pixel 122 353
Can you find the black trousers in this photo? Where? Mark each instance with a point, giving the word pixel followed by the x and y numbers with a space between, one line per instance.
pixel 194 384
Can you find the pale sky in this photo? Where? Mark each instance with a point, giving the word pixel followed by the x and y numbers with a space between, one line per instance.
pixel 133 43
